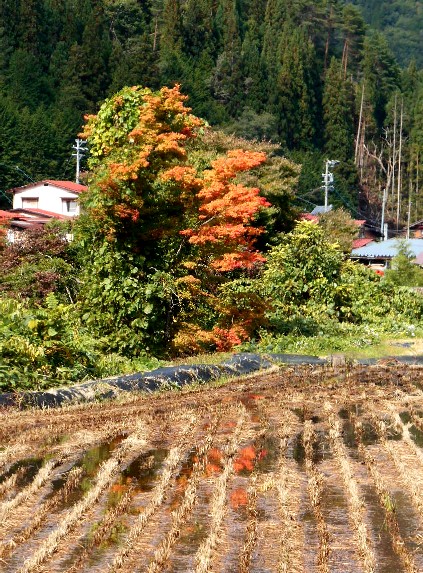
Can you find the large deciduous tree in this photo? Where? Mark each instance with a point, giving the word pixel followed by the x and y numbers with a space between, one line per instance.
pixel 152 216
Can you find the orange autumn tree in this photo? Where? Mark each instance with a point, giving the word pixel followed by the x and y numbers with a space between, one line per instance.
pixel 222 212
pixel 223 235
pixel 137 135
pixel 129 231
pixel 151 216
pixel 227 211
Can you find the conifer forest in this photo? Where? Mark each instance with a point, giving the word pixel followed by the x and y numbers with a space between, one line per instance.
pixel 322 79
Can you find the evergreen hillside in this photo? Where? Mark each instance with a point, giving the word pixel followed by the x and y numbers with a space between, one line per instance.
pixel 402 24
pixel 289 71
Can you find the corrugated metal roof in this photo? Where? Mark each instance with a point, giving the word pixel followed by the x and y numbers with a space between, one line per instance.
pixel 419 259
pixel 387 249
pixel 40 212
pixel 68 185
pixel 320 209
pixel 309 217
pixel 27 224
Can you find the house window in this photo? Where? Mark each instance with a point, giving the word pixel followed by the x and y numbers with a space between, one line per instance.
pixel 29 203
pixel 69 206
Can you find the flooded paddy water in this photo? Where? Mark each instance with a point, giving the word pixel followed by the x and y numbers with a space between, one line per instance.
pixel 300 470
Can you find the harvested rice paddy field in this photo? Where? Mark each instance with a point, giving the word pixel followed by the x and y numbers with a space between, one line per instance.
pixel 295 470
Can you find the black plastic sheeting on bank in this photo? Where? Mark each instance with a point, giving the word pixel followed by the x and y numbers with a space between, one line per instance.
pixel 171 377
pixel 159 379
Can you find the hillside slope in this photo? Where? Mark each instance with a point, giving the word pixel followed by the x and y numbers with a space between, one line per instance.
pixel 401 21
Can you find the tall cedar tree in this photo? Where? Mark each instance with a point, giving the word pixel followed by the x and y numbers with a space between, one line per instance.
pixel 338 114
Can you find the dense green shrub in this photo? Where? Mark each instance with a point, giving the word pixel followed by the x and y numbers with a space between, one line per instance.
pixel 302 280
pixel 45 346
pixel 311 289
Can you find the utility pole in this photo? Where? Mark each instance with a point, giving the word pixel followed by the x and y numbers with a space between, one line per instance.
pixel 80 149
pixel 328 179
pixel 382 222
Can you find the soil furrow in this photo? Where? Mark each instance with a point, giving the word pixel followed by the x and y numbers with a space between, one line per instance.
pixel 386 504
pixel 218 500
pixel 315 489
pixel 354 497
pixel 105 477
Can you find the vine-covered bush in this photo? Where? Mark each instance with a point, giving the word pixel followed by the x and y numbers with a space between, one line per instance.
pixel 45 346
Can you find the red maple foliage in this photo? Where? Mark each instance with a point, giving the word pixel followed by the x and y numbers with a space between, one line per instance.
pixel 226 339
pixel 214 461
pixel 226 212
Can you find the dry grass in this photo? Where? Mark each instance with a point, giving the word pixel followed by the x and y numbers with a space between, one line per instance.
pixel 171 463
pixel 218 501
pixel 252 445
pixel 387 504
pixel 315 490
pixel 355 500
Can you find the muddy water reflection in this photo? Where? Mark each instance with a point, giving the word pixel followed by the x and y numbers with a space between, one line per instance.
pixel 90 463
pixel 387 559
pixel 343 555
pixel 417 436
pixel 193 532
pixel 142 472
pixel 409 524
pixel 26 469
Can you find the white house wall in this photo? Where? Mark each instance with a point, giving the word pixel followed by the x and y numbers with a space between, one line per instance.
pixel 49 198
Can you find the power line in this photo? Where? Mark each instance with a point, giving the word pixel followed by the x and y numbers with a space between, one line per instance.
pixel 16 168
pixel 305 201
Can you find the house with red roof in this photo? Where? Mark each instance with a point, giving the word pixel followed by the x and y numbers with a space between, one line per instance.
pixel 39 202
pixel 47 199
